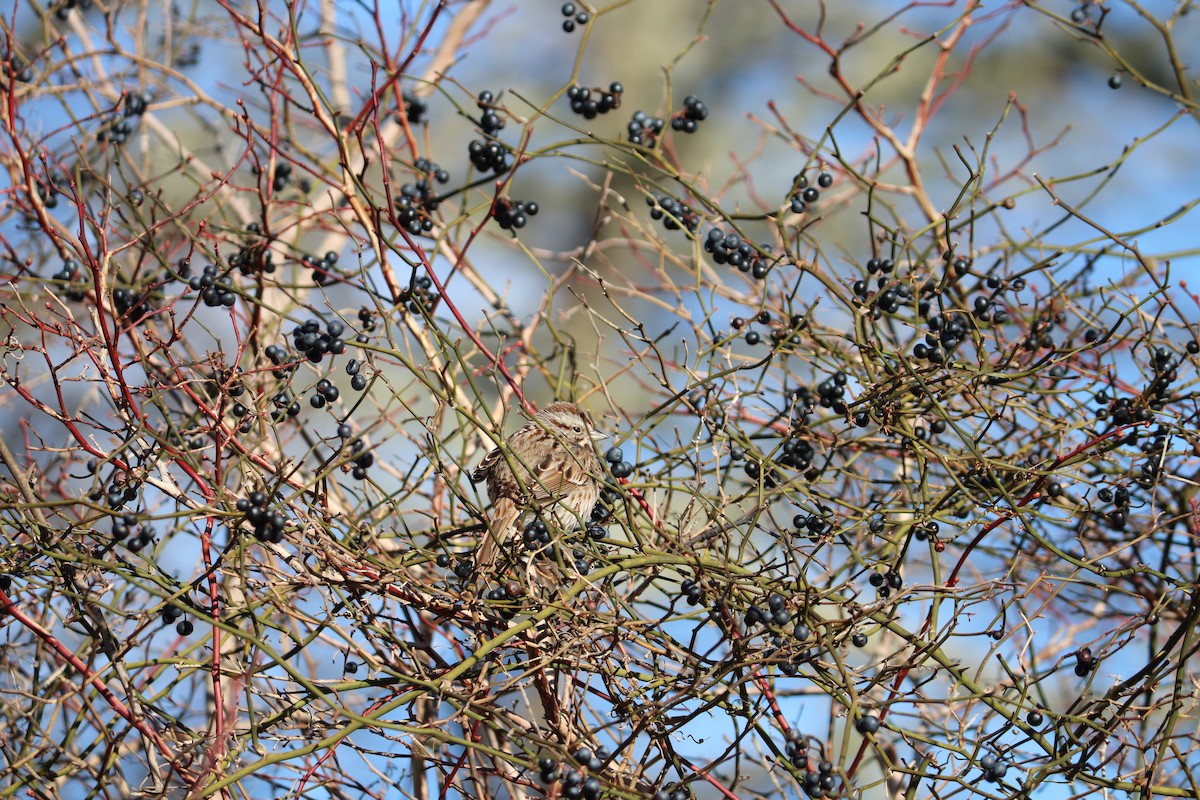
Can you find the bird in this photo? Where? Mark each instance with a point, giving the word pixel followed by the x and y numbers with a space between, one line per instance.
pixel 556 470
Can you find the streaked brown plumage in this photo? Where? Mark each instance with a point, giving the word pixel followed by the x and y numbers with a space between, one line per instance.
pixel 556 470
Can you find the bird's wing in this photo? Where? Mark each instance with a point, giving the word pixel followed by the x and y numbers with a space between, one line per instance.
pixel 485 466
pixel 556 474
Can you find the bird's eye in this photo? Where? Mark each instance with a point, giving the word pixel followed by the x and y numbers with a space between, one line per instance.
pixel 578 429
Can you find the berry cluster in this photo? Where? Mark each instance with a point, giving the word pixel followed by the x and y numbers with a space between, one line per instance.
pixel 581 563
pixel 285 406
pixel 64 11
pixel 68 274
pixel 688 120
pixel 576 782
pixel 602 513
pixel 47 192
pixel 488 156
pixel 767 472
pixel 119 124
pixel 505 596
pixel 537 539
pixel 253 259
pixel 673 213
pixel 573 17
pixel 116 496
pixel 1165 366
pixel 267 525
pixel 1122 410
pixel 1120 498
pixel 797 454
pixel 994 769
pixel 1154 448
pixel 18 70
pixel 228 381
pixel 129 302
pixel 795 750
pixel 358 381
pixel 776 615
pixel 240 411
pixel 279 357
pixel 322 268
pixel 731 249
pixel 280 175
pixel 885 582
pixel 421 296
pixel 617 465
pixel 128 527
pixel 536 535
pixel 946 332
pixel 803 195
pixel 136 104
pixel 215 290
pixel 819 783
pixel 417 201
pixel 812 526
pixel 309 340
pixel 928 529
pixel 886 301
pixel 644 129
pixel 183 627
pixel 490 121
pixel 692 591
pixel 861 288
pixel 986 307
pixel 831 391
pixel 778 334
pixel 510 214
pixel 591 102
pixel 366 317
pixel 463 569
pixel 325 392
pixel 363 459
pixel 414 107
pixel 678 793
pixel 430 169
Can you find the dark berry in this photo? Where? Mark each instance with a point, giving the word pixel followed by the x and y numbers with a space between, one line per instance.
pixel 868 723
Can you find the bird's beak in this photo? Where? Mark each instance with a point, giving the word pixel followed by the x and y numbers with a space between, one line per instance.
pixel 597 436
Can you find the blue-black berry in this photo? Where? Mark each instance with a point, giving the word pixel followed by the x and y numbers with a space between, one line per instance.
pixel 644 129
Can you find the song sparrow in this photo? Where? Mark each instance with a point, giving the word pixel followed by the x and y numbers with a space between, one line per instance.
pixel 556 470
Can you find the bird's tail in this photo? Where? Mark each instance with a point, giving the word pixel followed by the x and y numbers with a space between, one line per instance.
pixel 501 530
